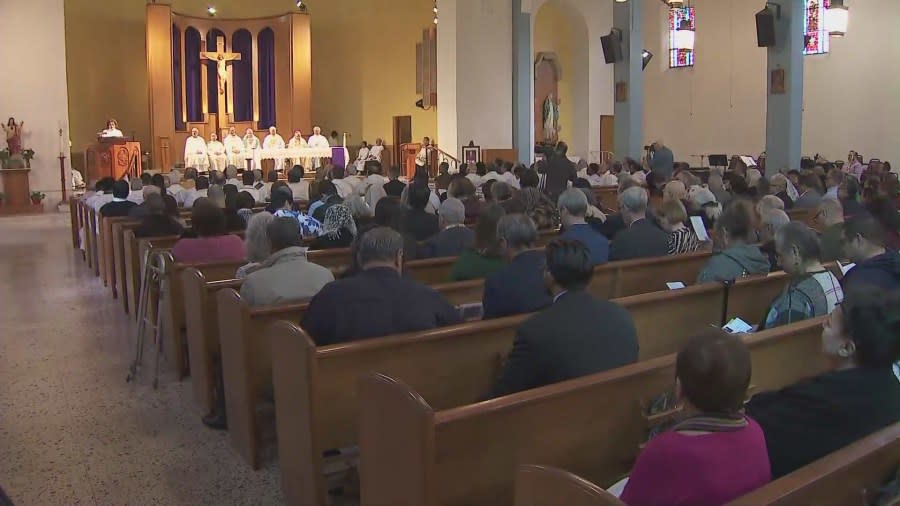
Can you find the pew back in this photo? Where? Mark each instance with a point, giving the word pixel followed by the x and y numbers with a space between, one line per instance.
pixel 592 426
pixel 547 486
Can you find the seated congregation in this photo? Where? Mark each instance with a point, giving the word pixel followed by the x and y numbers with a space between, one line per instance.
pixel 533 243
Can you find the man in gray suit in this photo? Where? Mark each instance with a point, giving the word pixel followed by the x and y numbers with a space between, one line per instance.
pixel 454 237
pixel 809 193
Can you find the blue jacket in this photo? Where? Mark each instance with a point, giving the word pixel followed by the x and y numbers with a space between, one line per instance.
pixel 518 287
pixel 593 240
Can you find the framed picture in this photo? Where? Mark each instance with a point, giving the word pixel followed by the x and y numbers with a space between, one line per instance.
pixel 471 154
pixel 778 82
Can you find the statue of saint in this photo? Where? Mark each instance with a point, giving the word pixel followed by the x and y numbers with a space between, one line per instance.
pixel 13 133
pixel 551 119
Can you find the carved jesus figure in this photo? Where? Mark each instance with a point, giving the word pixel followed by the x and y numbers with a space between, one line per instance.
pixel 222 58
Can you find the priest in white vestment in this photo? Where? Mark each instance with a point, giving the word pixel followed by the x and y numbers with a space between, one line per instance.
pixel 218 157
pixel 234 146
pixel 422 155
pixel 317 140
pixel 362 157
pixel 112 130
pixel 376 150
pixel 195 153
pixel 251 148
pixel 275 141
pixel 297 141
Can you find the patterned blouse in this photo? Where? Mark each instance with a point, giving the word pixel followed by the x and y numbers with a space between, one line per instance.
pixel 682 241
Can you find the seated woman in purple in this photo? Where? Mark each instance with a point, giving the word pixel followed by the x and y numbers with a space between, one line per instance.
pixel 715 454
pixel 209 240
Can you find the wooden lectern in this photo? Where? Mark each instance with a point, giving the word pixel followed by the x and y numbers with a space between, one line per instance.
pixel 408 154
pixel 112 157
pixel 17 190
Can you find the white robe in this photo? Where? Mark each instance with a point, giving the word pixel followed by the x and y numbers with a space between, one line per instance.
pixel 299 143
pixel 251 150
pixel 275 142
pixel 361 158
pixel 234 146
pixel 317 141
pixel 375 153
pixel 218 157
pixel 195 154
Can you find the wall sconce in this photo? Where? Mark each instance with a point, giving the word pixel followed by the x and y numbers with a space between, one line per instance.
pixel 836 18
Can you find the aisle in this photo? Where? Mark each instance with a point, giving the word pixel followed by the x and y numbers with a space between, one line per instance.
pixel 71 430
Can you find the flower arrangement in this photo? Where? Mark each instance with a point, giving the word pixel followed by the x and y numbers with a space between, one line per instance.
pixel 28 154
pixel 4 157
pixel 37 197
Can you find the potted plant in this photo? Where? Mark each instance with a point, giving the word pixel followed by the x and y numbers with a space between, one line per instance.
pixel 37 198
pixel 28 154
pixel 4 157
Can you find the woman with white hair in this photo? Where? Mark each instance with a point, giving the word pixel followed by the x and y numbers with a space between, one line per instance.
pixel 256 243
pixel 359 208
pixel 778 186
pixel 704 201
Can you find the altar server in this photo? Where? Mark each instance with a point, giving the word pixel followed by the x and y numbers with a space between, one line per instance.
pixel 218 157
pixel 362 157
pixel 376 150
pixel 195 152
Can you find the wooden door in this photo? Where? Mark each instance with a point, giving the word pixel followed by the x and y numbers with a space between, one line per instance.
pixel 402 135
pixel 607 131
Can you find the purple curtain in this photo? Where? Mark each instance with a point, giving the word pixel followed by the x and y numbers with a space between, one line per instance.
pixel 212 76
pixel 266 42
pixel 176 76
pixel 193 96
pixel 242 42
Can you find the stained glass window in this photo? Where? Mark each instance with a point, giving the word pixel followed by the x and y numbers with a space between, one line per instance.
pixel 680 56
pixel 816 34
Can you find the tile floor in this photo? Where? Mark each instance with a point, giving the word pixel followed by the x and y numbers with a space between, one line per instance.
pixel 72 431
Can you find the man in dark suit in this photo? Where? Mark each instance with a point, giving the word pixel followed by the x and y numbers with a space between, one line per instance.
pixel 394 187
pixel 120 204
pixel 560 171
pixel 641 239
pixel 378 301
pixel 454 237
pixel 578 335
pixel 519 286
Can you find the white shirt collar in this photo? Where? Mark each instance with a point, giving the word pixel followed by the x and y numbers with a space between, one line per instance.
pixel 117 199
pixel 560 294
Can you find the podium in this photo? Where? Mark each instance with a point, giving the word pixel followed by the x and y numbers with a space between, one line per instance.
pixel 17 191
pixel 112 157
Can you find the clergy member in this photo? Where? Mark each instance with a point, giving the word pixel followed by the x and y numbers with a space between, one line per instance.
pixel 362 157
pixel 195 154
pixel 251 148
pixel 422 156
pixel 112 130
pixel 317 140
pixel 376 150
pixel 275 141
pixel 297 141
pixel 234 146
pixel 218 157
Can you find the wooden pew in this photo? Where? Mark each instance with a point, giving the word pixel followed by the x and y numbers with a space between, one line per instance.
pixel 316 406
pixel 549 486
pixel 415 453
pixel 847 476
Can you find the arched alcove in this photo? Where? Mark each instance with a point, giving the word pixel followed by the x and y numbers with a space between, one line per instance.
pixel 242 42
pixel 560 29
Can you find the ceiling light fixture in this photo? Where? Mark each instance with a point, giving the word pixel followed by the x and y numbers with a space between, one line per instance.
pixel 211 10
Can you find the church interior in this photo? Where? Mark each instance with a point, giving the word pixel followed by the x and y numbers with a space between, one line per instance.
pixel 450 252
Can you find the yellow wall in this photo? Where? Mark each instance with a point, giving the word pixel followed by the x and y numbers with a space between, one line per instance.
pixel 552 33
pixel 363 63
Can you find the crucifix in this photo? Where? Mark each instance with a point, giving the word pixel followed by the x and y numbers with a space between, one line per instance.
pixel 222 58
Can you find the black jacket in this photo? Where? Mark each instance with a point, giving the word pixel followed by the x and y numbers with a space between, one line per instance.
pixel 881 271
pixel 116 208
pixel 518 287
pixel 376 302
pixel 421 225
pixel 158 225
pixel 641 240
pixel 578 335
pixel 560 171
pixel 394 188
pixel 449 242
pixel 810 419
